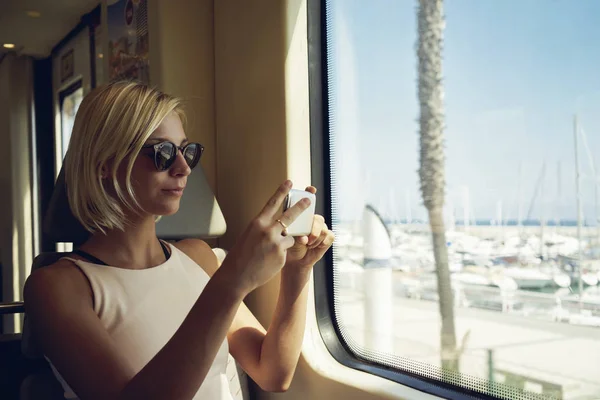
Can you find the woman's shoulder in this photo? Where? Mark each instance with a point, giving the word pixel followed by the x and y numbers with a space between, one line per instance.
pixel 63 272
pixel 200 252
pixel 58 283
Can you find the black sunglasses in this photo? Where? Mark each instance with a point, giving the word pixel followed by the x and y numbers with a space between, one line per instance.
pixel 165 154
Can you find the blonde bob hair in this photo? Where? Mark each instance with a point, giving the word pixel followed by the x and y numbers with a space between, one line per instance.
pixel 112 124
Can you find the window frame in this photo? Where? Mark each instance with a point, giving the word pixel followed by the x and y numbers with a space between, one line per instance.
pixel 323 271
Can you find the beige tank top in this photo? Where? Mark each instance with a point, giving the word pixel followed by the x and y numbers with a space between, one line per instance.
pixel 142 309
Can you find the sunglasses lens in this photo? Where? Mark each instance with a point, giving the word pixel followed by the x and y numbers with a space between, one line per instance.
pixel 165 156
pixel 192 154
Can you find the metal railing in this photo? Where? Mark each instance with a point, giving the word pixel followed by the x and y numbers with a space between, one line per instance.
pixel 16 307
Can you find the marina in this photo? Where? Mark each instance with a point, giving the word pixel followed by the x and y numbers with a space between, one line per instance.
pixel 526 320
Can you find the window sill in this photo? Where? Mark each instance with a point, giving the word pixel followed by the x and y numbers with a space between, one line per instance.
pixel 319 360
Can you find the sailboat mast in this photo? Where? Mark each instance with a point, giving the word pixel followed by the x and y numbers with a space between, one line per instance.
pixel 558 196
pixel 578 189
pixel 594 175
pixel 542 212
pixel 466 208
pixel 597 206
pixel 520 202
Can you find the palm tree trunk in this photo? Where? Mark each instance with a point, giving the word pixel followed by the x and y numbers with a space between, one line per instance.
pixel 432 162
pixel 449 354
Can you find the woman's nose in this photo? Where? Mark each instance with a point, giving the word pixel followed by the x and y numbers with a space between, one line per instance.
pixel 180 166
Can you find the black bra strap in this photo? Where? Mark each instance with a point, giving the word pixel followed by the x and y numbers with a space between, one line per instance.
pixel 96 260
pixel 90 257
pixel 165 249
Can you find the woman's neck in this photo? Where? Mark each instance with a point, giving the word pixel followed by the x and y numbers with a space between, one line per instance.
pixel 135 248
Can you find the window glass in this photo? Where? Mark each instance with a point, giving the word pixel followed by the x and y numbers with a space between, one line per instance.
pixel 516 277
pixel 68 110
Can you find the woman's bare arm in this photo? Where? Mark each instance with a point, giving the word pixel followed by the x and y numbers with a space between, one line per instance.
pixel 59 306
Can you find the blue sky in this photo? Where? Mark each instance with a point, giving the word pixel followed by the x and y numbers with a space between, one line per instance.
pixel 515 73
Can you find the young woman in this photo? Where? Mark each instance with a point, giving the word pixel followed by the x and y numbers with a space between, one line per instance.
pixel 128 316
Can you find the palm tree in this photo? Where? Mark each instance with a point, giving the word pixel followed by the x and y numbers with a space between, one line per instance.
pixel 431 172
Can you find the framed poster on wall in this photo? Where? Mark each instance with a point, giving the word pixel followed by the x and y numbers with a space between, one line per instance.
pixel 128 40
pixel 67 66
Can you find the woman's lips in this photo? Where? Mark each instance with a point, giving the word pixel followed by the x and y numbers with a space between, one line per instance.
pixel 174 191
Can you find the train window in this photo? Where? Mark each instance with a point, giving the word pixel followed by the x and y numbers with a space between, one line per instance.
pixel 70 99
pixel 467 262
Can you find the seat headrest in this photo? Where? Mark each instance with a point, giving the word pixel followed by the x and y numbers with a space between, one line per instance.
pixel 199 214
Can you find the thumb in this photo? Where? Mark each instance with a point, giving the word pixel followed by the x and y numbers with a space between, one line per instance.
pixel 302 240
pixel 299 248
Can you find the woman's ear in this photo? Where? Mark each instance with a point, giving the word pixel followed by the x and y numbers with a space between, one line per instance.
pixel 106 168
pixel 105 171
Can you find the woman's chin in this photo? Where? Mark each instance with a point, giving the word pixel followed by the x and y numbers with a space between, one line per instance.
pixel 164 210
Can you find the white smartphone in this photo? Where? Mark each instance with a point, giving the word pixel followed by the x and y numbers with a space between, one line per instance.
pixel 302 226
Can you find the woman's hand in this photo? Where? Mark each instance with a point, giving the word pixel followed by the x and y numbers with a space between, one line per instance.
pixel 307 250
pixel 261 250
